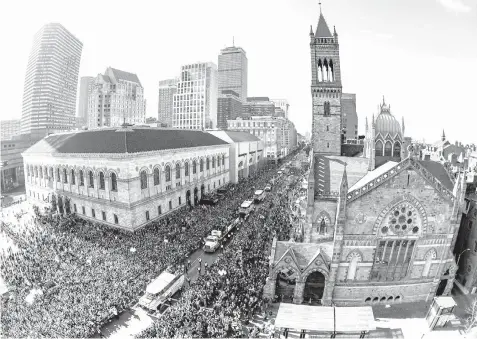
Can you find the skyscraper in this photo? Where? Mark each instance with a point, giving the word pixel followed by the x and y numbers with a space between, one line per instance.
pixel 349 117
pixel 233 65
pixel 195 103
pixel 229 107
pixel 167 89
pixel 51 80
pixel 86 85
pixel 117 97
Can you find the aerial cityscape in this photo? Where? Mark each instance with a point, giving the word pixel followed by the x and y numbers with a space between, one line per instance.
pixel 310 180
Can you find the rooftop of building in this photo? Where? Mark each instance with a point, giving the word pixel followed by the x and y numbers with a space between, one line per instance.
pixel 232 49
pixel 322 29
pixel 303 253
pixel 115 75
pixel 257 99
pixel 135 139
pixel 235 136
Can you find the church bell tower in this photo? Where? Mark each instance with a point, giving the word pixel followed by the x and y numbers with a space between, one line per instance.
pixel 325 89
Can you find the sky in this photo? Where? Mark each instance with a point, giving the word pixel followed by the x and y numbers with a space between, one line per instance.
pixel 421 55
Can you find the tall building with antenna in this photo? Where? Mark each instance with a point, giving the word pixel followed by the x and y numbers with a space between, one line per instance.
pixel 232 71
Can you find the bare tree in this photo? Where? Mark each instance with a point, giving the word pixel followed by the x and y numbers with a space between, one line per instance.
pixel 472 311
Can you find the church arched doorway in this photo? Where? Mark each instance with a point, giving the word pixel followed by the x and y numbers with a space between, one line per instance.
pixel 196 196
pixel 188 198
pixel 314 288
pixel 202 190
pixel 285 284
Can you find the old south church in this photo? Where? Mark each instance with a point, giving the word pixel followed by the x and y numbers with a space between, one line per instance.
pixel 380 227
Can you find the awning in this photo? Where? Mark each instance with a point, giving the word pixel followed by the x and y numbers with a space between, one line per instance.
pixel 325 319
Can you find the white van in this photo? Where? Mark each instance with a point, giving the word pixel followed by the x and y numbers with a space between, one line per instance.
pixel 160 289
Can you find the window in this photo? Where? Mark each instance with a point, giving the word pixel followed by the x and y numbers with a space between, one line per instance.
pixel 186 169
pixel 114 182
pixel 83 209
pixel 326 108
pixel 328 145
pixel 81 178
pixel 194 167
pixel 178 171
pixel 378 148
pixel 159 210
pixel 388 149
pixel 104 215
pixel 180 201
pixel 170 204
pixel 397 149
pixel 207 163
pixel 58 175
pixel 147 215
pixel 101 181
pixel 327 128
pixel 156 176
pixel 91 181
pixel 73 177
pixel 392 259
pixel 213 162
pixel 168 173
pixel 223 160
pixel 74 208
pixel 143 176
pixel 116 221
pixel 65 176
pixel 201 165
pixel 93 213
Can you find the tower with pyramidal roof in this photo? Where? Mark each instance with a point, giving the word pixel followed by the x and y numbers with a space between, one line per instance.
pixel 325 89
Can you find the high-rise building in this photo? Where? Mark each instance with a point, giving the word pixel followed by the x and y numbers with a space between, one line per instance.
pixel 258 106
pixel 86 85
pixel 283 104
pixel 167 89
pixel 195 102
pixel 51 80
pixel 117 97
pixel 233 68
pixel 229 107
pixel 349 117
pixel 9 129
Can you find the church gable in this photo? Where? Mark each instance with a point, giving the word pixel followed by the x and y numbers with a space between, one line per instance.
pixel 433 174
pixel 405 204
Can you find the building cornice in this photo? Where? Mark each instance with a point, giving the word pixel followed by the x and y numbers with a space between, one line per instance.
pixel 126 155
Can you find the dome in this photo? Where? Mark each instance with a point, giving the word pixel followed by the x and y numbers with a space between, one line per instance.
pixel 386 123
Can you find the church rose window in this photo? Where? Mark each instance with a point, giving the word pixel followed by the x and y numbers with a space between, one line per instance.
pixel 401 220
pixel 392 259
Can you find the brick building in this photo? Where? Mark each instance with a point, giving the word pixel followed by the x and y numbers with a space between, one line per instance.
pixel 229 107
pixel 125 177
pixel 376 230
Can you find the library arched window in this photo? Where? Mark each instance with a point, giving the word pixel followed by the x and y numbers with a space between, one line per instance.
pixel 143 179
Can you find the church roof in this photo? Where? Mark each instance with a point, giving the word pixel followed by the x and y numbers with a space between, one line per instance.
pixel 322 30
pixel 371 175
pixel 131 140
pixel 439 172
pixel 329 171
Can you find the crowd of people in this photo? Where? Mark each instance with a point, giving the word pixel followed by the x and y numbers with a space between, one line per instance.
pixel 230 291
pixel 69 276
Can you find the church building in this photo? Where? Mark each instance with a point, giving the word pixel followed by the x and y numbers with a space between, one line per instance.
pixel 380 227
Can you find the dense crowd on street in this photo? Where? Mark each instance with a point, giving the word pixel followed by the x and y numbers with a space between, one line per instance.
pixel 229 293
pixel 69 276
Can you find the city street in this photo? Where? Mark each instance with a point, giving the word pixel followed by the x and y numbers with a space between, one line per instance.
pixel 134 320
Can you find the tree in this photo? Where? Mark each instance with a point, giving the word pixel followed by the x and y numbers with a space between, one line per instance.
pixel 472 319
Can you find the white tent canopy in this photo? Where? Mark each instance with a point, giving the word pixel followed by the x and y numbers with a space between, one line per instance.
pixel 325 319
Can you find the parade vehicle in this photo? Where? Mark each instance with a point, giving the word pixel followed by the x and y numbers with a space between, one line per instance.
pixel 268 188
pixel 279 172
pixel 258 196
pixel 160 290
pixel 214 240
pixel 246 208
pixel 209 200
pixel 221 191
